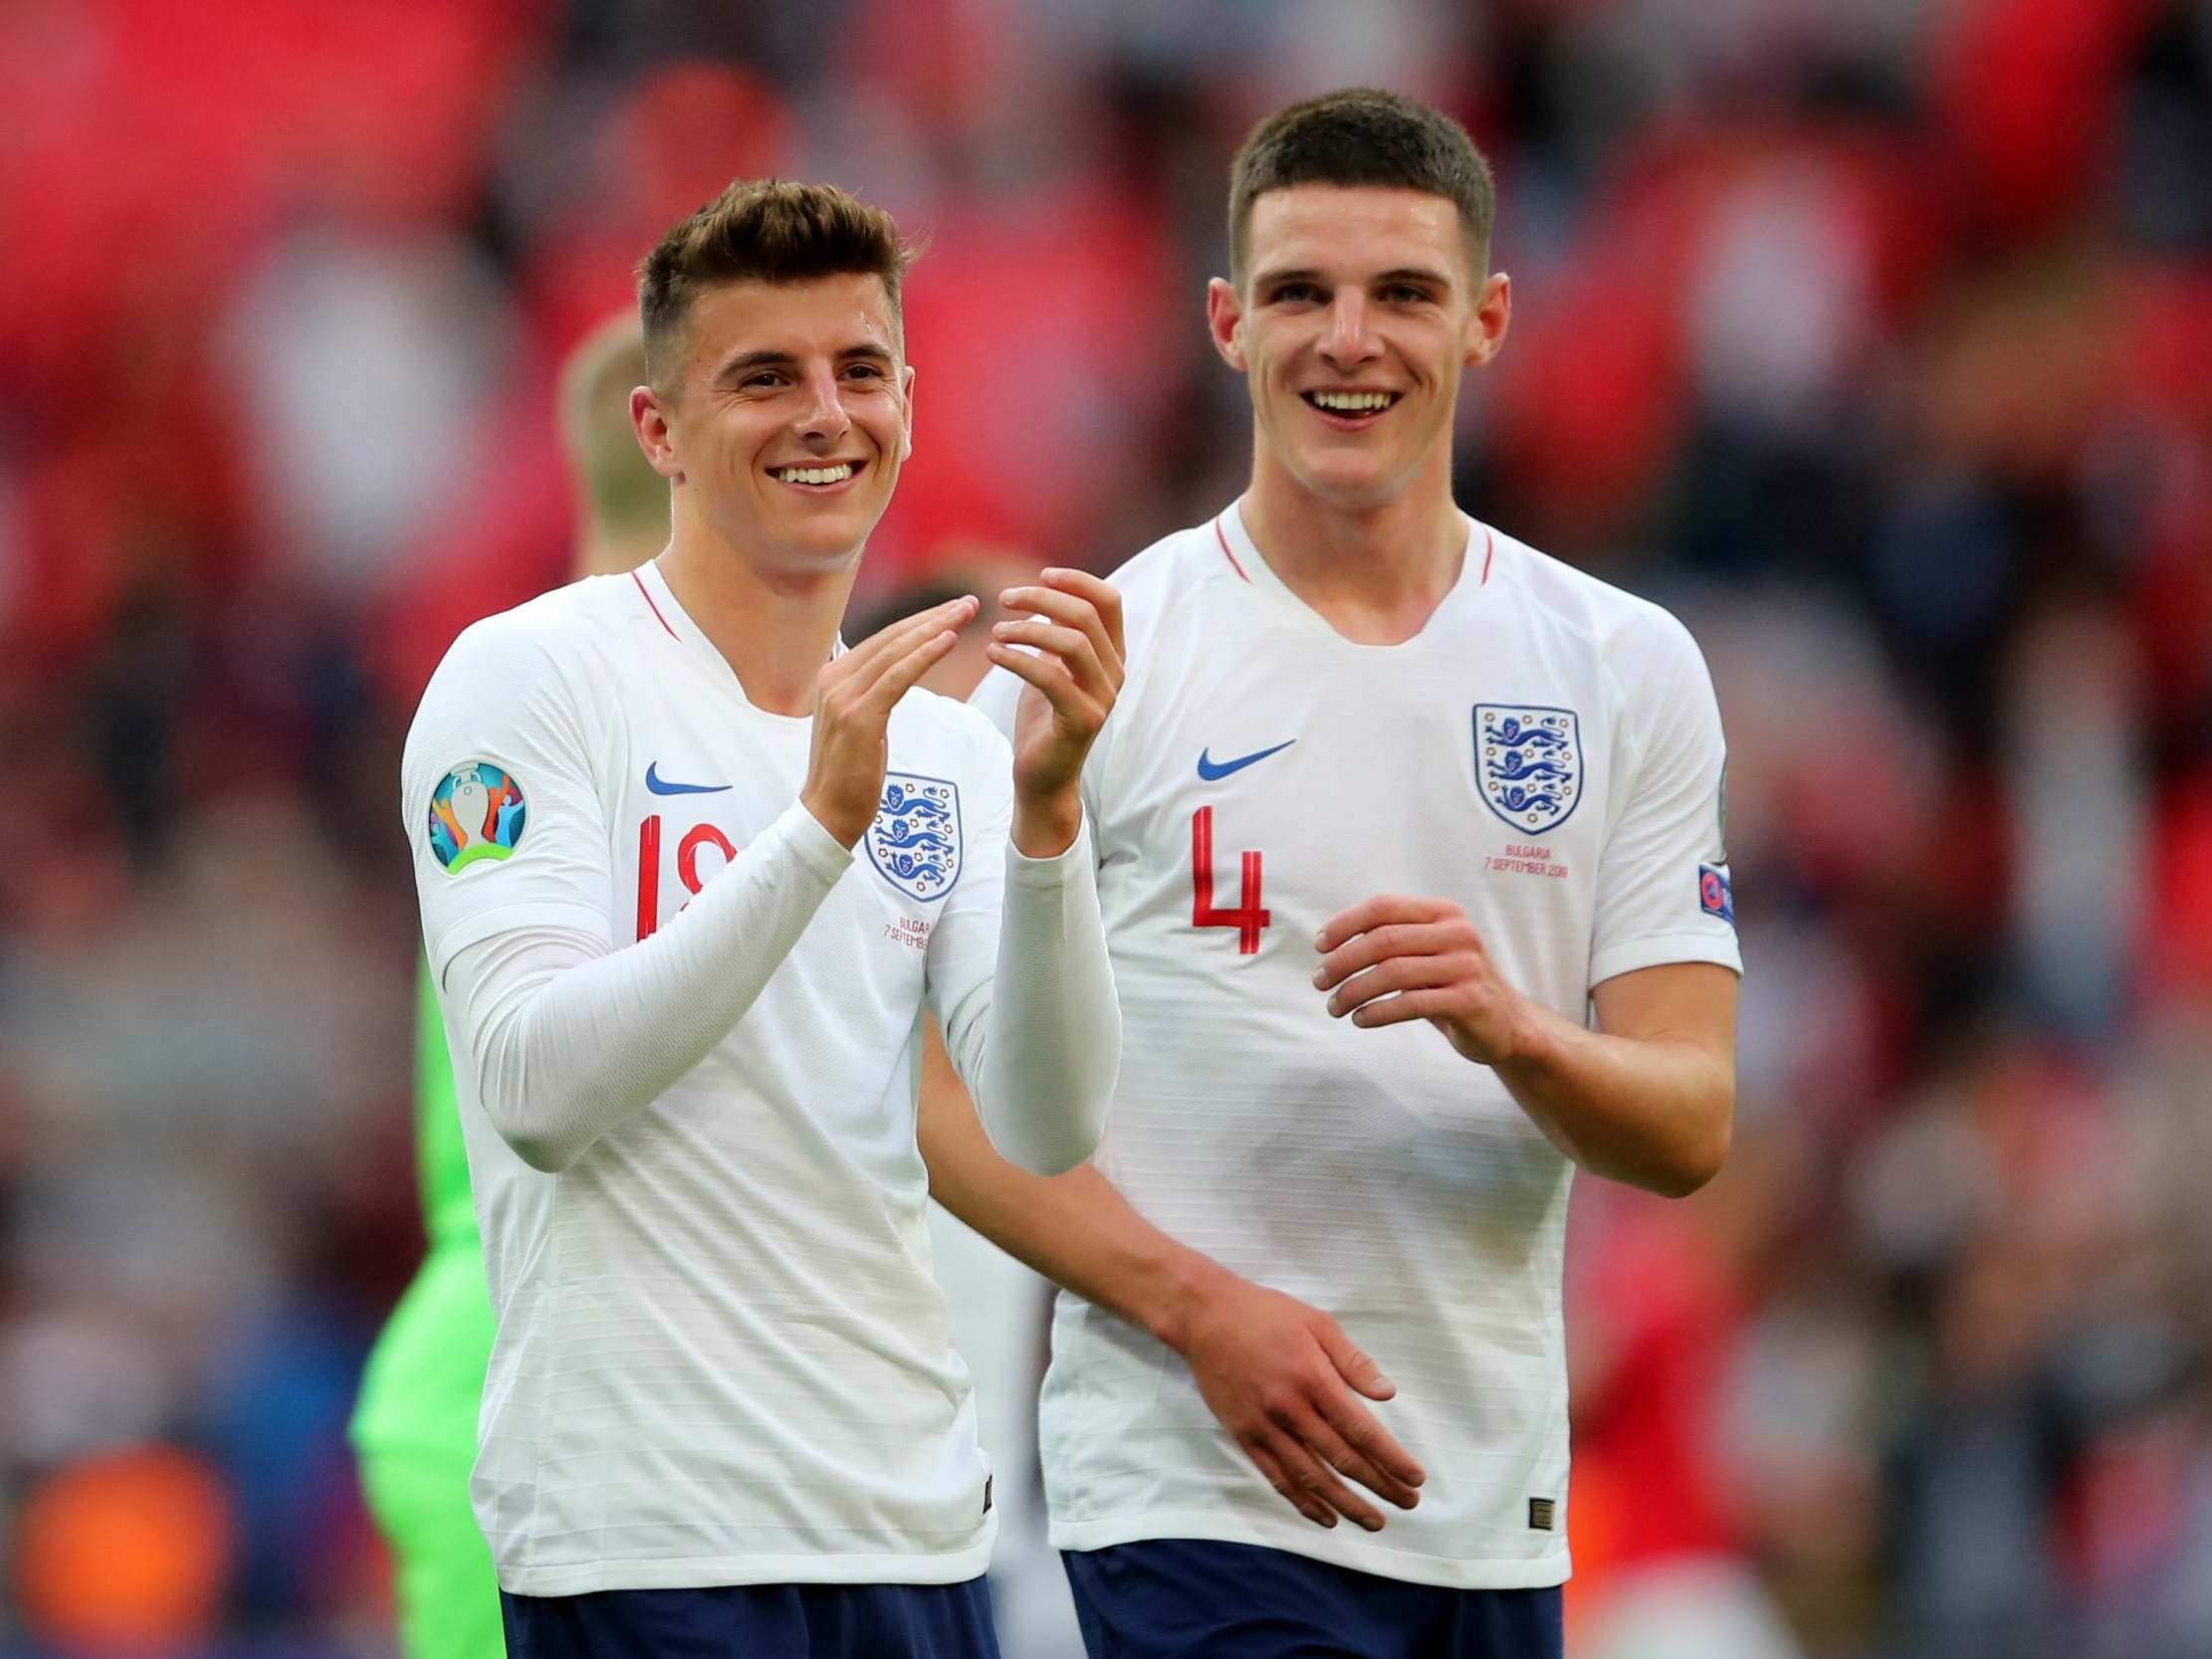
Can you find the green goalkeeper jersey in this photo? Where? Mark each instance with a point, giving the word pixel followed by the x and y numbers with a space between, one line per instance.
pixel 425 1377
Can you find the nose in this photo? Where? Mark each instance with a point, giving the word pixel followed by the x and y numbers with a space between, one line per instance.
pixel 822 416
pixel 1350 342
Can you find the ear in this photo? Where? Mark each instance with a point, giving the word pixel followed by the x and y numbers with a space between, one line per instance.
pixel 1224 321
pixel 1493 314
pixel 905 414
pixel 649 420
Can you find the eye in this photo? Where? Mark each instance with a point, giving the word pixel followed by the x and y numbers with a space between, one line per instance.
pixel 1405 294
pixel 1296 294
pixel 765 377
pixel 863 371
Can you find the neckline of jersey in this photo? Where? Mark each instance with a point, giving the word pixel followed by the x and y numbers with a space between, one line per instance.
pixel 671 618
pixel 1476 570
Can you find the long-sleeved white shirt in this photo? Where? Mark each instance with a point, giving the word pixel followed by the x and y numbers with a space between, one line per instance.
pixel 684 1022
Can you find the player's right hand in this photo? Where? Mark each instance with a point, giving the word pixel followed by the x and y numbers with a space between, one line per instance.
pixel 853 697
pixel 1285 1383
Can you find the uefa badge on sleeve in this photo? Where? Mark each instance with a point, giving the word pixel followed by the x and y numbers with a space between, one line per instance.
pixel 1717 895
pixel 915 840
pixel 476 813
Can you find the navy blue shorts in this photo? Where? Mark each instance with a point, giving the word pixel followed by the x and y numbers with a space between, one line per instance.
pixel 1192 1598
pixel 756 1622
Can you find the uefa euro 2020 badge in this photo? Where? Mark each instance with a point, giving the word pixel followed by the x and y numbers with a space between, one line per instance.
pixel 915 840
pixel 1528 760
pixel 476 813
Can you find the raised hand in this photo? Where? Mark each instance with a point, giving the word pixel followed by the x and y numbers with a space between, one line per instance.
pixel 1074 672
pixel 1392 958
pixel 853 697
pixel 1285 1383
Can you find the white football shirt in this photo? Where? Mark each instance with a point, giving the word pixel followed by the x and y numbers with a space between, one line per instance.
pixel 721 1357
pixel 1547 754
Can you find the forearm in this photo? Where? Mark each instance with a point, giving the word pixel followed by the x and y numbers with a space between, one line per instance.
pixel 565 1043
pixel 1053 1044
pixel 1075 1229
pixel 1282 1378
pixel 1651 1110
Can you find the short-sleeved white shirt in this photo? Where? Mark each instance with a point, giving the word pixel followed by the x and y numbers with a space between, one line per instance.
pixel 722 1357
pixel 1547 754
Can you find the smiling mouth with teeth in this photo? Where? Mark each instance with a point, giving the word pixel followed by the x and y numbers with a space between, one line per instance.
pixel 835 472
pixel 1350 403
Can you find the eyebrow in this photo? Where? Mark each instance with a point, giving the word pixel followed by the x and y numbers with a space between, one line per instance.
pixel 1399 274
pixel 737 367
pixel 1416 274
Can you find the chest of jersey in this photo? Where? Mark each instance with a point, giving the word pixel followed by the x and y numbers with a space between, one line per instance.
pixel 693 779
pixel 1265 783
pixel 691 787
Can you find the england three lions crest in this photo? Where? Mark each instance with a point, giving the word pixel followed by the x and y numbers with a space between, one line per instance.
pixel 1528 760
pixel 915 840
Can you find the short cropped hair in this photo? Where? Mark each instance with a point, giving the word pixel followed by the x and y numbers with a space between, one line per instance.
pixel 763 230
pixel 1362 136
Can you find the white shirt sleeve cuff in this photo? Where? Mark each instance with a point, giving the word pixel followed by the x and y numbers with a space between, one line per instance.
pixel 1054 871
pixel 821 851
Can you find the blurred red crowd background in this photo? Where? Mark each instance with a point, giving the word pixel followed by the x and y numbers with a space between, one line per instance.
pixel 1876 339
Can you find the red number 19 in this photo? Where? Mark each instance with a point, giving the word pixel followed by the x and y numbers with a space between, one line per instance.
pixel 1248 917
pixel 687 866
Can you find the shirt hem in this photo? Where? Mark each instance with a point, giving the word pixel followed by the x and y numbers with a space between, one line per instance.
pixel 715 1572
pixel 1360 1551
pixel 1662 949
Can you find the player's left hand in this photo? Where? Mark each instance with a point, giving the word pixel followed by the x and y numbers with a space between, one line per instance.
pixel 1074 672
pixel 1392 958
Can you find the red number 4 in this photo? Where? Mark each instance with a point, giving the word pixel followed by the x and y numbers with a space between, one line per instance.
pixel 1248 917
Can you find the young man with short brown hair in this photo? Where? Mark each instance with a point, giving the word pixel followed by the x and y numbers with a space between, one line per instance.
pixel 1390 802
pixel 690 871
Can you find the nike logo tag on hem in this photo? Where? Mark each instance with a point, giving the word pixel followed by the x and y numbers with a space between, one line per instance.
pixel 661 786
pixel 1212 770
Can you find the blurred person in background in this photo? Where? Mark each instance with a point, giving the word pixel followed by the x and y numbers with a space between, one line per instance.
pixel 721 1412
pixel 1649 1326
pixel 1002 1310
pixel 415 1425
pixel 1363 690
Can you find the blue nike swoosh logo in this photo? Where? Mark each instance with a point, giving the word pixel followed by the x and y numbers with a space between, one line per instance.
pixel 1211 769
pixel 661 786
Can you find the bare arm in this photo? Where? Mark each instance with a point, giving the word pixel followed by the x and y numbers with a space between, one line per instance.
pixel 1647 1099
pixel 1279 1375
